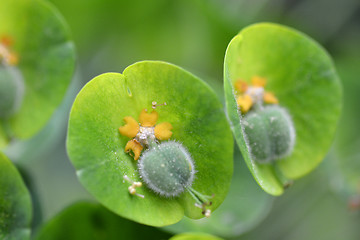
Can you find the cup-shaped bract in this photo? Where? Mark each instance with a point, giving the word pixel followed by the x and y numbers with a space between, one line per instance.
pixel 194 236
pixel 38 57
pixel 15 203
pixel 97 148
pixel 302 76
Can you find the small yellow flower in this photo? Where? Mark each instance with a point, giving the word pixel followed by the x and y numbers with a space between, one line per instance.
pixel 255 93
pixel 270 98
pixel 7 41
pixel 131 127
pixel 148 119
pixel 134 146
pixel 12 59
pixel 144 132
pixel 6 55
pixel 245 102
pixel 162 131
pixel 257 81
pixel 241 86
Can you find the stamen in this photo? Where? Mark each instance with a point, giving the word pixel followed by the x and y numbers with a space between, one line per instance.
pixel 207 213
pixel 134 185
pixel 155 105
pixel 201 201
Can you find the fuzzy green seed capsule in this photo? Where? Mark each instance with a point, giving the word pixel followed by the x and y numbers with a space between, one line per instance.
pixel 167 169
pixel 270 133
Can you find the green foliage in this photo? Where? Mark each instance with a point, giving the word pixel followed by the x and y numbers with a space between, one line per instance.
pixel 91 221
pixel 96 148
pixel 46 56
pixel 194 236
pixel 15 203
pixel 301 74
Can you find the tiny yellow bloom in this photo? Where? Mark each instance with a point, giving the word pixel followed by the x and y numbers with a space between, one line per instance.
pixel 249 95
pixel 148 119
pixel 135 147
pixel 7 41
pixel 245 102
pixel 131 127
pixel 257 81
pixel 241 86
pixel 12 59
pixel 6 55
pixel 270 98
pixel 144 132
pixel 162 131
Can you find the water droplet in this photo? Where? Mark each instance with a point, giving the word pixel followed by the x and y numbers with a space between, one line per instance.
pixel 129 92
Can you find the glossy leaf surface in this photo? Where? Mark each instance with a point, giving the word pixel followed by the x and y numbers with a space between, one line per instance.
pixel 96 147
pixel 302 76
pixel 195 236
pixel 46 61
pixel 15 203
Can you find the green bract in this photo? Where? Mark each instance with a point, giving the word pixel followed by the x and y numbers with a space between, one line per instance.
pixel 302 76
pixel 15 203
pixel 90 221
pixel 194 236
pixel 96 148
pixel 37 35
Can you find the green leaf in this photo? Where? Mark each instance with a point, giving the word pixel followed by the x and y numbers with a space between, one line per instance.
pixel 15 203
pixel 46 55
pixel 96 147
pixel 194 236
pixel 91 221
pixel 302 76
pixel 244 207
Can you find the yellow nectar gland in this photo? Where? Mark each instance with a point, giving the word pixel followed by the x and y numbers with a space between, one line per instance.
pixel 249 95
pixel 7 56
pixel 145 132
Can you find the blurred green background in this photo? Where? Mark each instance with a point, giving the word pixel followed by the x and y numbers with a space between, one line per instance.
pixel 111 34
